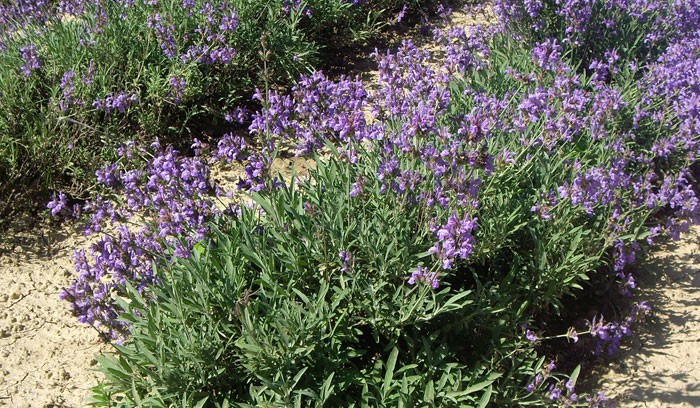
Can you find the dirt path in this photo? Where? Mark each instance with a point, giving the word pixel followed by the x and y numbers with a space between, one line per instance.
pixel 660 364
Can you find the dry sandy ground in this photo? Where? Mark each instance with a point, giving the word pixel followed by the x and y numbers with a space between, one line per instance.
pixel 47 357
pixel 660 365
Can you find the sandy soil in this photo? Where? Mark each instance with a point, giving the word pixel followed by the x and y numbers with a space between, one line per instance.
pixel 46 355
pixel 660 365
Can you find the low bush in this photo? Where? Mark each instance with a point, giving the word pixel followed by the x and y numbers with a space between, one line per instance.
pixel 446 211
pixel 79 77
pixel 599 32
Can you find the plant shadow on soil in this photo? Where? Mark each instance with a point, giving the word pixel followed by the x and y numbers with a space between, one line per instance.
pixel 669 342
pixel 416 27
pixel 654 366
pixel 31 237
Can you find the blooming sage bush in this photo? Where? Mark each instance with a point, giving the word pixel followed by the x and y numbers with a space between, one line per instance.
pixel 80 77
pixel 602 32
pixel 447 210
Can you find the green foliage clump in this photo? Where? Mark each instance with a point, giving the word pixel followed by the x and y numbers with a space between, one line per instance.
pixel 443 216
pixel 77 78
pixel 270 313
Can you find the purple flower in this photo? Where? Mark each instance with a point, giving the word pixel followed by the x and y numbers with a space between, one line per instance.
pixel 600 401
pixel 177 85
pixel 455 240
pixel 570 385
pixel 68 86
pixel 107 175
pixel 231 148
pixel 58 204
pixel 289 5
pixel 423 275
pixel 175 194
pixel 348 261
pixel 531 336
pixel 400 16
pixel 119 102
pixel 31 60
pixel 229 21
pixel 554 393
pixel 165 33
pixel 572 334
pixel 609 335
pixel 239 115
pixel 532 386
pixel 548 54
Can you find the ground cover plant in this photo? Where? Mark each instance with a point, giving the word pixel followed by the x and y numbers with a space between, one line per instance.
pixel 79 77
pixel 448 209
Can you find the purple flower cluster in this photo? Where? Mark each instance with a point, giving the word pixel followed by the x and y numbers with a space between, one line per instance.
pixel 289 5
pixel 18 15
pixel 215 23
pixel 58 204
pixel 418 159
pixel 540 377
pixel 68 85
pixel 317 111
pixel 609 335
pixel 600 401
pixel 165 33
pixel 30 59
pixel 455 240
pixel 348 261
pixel 115 103
pixel 71 7
pixel 233 148
pixel 178 85
pixel 562 392
pixel 671 89
pixel 586 22
pixel 547 55
pixel 423 275
pixel 464 48
pixel 173 194
pixel 597 186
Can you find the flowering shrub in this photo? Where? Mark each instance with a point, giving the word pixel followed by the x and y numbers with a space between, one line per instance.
pixel 600 32
pixel 79 77
pixel 446 208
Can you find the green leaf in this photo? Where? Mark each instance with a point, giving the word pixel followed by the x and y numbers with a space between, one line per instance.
pixel 327 387
pixel 451 305
pixel 389 374
pixel 301 295
pixel 574 374
pixel 482 384
pixel 263 202
pixel 486 397
pixel 429 394
pixel 252 256
pixel 298 376
pixel 522 308
pixel 201 402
